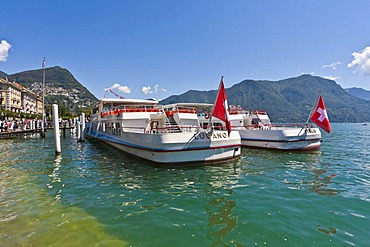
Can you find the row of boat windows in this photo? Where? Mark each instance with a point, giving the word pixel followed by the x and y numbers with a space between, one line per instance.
pixel 117 128
pixel 109 128
pixel 217 126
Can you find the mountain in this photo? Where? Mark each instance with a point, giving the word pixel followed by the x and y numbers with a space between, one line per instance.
pixel 359 93
pixel 60 87
pixel 289 100
pixel 3 74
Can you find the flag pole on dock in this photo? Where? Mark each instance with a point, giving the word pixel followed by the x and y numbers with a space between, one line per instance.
pixel 43 99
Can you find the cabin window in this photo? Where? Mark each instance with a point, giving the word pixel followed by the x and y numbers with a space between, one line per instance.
pixel 154 126
pixel 255 120
pixel 113 129
pixel 218 126
pixel 118 129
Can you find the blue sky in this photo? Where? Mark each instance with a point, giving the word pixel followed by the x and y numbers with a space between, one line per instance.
pixel 154 49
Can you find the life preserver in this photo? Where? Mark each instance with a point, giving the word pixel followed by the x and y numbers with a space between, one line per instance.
pixel 206 115
pixel 196 111
pixel 169 113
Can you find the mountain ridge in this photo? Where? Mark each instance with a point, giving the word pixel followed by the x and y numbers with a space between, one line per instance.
pixel 3 74
pixel 287 100
pixel 359 93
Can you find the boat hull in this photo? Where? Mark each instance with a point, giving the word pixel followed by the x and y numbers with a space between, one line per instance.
pixel 282 138
pixel 177 148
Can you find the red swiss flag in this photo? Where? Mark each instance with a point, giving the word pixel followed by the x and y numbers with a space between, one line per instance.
pixel 220 108
pixel 320 116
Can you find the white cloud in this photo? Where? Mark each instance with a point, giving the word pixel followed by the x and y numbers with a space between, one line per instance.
pixel 254 71
pixel 123 89
pixel 4 48
pixel 333 78
pixel 332 65
pixel 361 61
pixel 311 73
pixel 148 89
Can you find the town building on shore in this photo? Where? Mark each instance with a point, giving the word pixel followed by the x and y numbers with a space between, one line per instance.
pixel 17 98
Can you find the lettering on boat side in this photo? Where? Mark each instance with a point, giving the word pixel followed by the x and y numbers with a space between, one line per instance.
pixel 311 130
pixel 218 135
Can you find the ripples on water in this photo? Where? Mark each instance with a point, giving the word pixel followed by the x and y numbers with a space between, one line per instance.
pixel 94 194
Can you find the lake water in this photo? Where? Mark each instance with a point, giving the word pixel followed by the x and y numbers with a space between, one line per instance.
pixel 94 195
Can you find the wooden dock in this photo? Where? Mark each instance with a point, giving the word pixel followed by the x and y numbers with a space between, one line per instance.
pixel 18 132
pixel 6 134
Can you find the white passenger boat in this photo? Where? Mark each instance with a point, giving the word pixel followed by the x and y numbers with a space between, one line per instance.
pixel 256 130
pixel 165 135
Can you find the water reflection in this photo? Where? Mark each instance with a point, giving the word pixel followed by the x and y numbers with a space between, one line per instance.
pixel 298 170
pixel 221 219
pixel 316 178
pixel 321 183
pixel 139 191
pixel 55 178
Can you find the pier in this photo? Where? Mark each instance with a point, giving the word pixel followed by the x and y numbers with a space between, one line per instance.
pixel 18 132
pixel 10 133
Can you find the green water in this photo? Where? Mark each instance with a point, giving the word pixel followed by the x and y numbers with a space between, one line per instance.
pixel 95 195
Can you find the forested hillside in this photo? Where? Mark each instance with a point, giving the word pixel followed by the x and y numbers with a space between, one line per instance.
pixel 61 87
pixel 289 100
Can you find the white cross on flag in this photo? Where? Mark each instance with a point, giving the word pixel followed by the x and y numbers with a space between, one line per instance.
pixel 320 116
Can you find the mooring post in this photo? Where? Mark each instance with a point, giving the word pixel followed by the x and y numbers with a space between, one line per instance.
pixel 75 122
pixel 58 149
pixel 78 132
pixel 82 127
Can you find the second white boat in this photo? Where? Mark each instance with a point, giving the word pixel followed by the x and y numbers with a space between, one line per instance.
pixel 256 129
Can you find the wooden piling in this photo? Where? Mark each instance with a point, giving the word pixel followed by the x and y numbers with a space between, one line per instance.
pixel 58 149
pixel 81 127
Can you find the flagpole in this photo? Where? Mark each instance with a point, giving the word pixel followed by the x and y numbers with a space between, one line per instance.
pixel 218 91
pixel 43 99
pixel 314 106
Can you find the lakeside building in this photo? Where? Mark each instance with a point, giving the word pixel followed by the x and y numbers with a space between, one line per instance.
pixel 17 98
